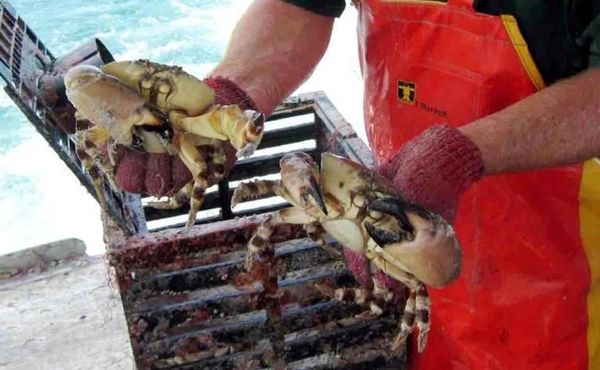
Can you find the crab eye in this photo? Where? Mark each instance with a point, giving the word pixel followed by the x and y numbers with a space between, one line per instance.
pixel 166 134
pixel 164 131
pixel 137 142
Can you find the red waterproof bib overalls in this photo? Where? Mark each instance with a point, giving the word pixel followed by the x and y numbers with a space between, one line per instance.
pixel 529 292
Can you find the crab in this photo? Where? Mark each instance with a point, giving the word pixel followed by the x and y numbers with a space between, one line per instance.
pixel 156 108
pixel 370 217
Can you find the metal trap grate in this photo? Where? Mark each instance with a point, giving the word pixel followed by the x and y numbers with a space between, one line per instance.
pixel 186 310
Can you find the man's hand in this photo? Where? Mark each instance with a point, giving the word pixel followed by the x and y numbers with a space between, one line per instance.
pixel 432 170
pixel 161 174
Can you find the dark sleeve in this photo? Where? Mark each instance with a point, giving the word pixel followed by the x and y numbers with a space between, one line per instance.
pixel 328 8
pixel 590 39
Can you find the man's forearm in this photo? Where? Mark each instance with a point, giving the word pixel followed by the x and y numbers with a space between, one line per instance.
pixel 557 126
pixel 273 49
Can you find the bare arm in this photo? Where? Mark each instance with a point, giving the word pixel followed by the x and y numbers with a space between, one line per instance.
pixel 273 49
pixel 557 126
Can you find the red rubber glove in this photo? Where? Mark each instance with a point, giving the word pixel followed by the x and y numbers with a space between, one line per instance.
pixel 432 170
pixel 161 174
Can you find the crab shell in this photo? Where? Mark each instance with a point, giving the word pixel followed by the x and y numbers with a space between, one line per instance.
pixel 433 254
pixel 167 87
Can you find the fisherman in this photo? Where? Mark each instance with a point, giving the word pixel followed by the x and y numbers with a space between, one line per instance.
pixel 493 103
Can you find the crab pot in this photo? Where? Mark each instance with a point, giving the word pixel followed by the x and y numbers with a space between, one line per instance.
pixel 190 304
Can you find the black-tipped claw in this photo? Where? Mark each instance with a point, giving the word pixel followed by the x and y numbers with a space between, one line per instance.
pixel 383 237
pixel 315 192
pixel 393 207
pixel 257 118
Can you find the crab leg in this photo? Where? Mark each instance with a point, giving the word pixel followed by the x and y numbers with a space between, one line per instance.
pixel 194 161
pixel 260 245
pixel 91 140
pixel 263 267
pixel 177 200
pixel 261 188
pixel 92 159
pixel 418 304
pixel 416 309
pixel 219 158
pixel 423 305
pixel 315 231
pixel 407 322
pixel 362 296
pixel 182 197
pixel 253 190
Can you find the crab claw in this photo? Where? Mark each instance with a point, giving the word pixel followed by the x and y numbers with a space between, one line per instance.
pixel 246 151
pixel 243 129
pixel 420 242
pixel 300 177
pixel 384 237
pixel 108 103
pixel 314 191
pixel 252 133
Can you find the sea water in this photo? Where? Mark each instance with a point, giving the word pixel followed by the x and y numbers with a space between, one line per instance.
pixel 40 199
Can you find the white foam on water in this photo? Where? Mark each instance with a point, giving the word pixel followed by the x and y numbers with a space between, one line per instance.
pixel 150 21
pixel 219 21
pixel 46 202
pixel 5 100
